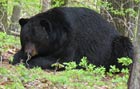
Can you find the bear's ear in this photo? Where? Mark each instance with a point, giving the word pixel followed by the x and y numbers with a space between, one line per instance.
pixel 47 24
pixel 23 21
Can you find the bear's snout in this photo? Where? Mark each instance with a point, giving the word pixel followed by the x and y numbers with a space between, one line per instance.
pixel 30 49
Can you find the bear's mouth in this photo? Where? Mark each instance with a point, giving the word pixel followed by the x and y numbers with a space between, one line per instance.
pixel 30 50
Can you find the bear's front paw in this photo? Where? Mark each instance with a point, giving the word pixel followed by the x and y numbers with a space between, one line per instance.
pixel 19 57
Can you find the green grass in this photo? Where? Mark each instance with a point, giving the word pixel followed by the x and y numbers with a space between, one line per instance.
pixel 7 42
pixel 16 77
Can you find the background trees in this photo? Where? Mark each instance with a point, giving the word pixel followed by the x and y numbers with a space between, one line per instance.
pixel 122 14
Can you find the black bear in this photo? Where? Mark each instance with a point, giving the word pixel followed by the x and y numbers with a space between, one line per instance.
pixel 67 34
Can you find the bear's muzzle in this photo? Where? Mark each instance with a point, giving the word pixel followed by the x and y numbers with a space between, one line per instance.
pixel 30 49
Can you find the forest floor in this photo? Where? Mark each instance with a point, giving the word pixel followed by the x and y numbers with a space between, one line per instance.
pixel 7 80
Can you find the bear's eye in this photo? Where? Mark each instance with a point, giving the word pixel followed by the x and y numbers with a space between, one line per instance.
pixel 38 34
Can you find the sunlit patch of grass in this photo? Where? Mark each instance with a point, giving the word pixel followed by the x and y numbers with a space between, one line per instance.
pixel 8 42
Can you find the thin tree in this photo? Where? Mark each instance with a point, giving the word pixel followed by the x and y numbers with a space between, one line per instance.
pixel 14 27
pixel 46 4
pixel 3 16
pixel 134 79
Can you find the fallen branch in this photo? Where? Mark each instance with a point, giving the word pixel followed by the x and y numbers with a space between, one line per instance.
pixel 14 33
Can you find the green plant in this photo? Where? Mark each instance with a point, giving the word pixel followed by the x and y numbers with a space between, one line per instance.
pixel 70 65
pixel 57 3
pixel 113 69
pixel 125 61
pixel 90 67
pixel 100 70
pixel 84 63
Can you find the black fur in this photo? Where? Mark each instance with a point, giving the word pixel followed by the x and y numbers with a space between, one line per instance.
pixel 67 34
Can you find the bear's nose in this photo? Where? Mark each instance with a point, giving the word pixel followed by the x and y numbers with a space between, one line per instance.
pixel 28 52
pixel 30 49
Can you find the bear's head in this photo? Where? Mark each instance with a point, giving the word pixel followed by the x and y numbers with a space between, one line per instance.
pixel 34 36
pixel 40 36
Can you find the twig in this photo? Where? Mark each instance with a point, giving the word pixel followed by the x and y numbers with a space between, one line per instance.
pixel 110 17
pixel 29 57
pixel 15 33
pixel 56 67
pixel 0 61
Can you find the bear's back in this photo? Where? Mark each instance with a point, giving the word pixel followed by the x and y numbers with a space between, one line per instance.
pixel 93 35
pixel 90 34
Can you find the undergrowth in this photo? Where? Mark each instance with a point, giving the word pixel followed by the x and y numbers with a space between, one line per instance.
pixel 7 42
pixel 19 77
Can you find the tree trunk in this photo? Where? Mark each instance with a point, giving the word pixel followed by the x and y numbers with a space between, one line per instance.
pixel 3 17
pixel 46 4
pixel 14 19
pixel 134 79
